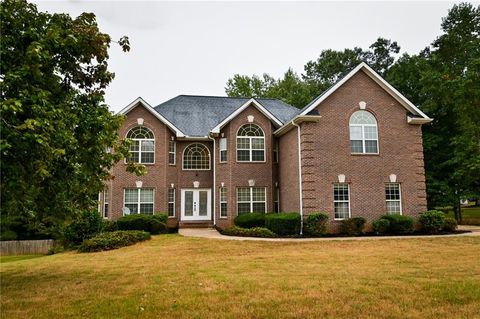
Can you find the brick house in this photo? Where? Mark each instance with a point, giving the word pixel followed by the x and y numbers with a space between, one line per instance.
pixel 356 150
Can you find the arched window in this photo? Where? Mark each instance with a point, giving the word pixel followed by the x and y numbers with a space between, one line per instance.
pixel 196 156
pixel 363 133
pixel 250 144
pixel 142 149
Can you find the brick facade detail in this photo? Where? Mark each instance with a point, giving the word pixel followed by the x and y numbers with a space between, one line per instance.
pixel 325 154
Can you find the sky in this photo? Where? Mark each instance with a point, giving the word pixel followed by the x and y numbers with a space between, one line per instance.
pixel 195 47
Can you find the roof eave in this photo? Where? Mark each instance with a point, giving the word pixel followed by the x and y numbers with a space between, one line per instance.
pixel 418 120
pixel 149 108
pixel 296 120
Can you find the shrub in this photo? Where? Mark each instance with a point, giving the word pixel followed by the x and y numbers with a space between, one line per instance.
pixel 148 223
pixel 450 224
pixel 381 226
pixel 248 232
pixel 86 225
pixel 283 224
pixel 110 225
pixel 316 224
pixel 432 221
pixel 113 240
pixel 250 220
pixel 161 217
pixel 399 224
pixel 353 226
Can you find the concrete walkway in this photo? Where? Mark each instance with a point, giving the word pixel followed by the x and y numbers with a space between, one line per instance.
pixel 214 234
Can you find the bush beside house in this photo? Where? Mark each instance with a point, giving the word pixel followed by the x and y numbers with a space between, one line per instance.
pixel 84 226
pixel 353 226
pixel 250 220
pixel 316 224
pixel 113 240
pixel 154 224
pixel 248 232
pixel 283 224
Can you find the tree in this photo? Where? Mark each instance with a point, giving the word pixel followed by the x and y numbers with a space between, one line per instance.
pixel 444 81
pixel 56 131
pixel 319 75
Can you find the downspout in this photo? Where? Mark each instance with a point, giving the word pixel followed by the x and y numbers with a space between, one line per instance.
pixel 300 188
pixel 214 182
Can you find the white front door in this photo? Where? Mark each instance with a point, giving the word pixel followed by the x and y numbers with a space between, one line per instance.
pixel 196 204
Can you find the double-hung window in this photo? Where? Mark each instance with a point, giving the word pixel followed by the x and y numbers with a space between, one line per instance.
pixel 250 144
pixel 393 198
pixel 341 200
pixel 251 199
pixel 105 203
pixel 139 200
pixel 223 149
pixel 223 202
pixel 363 133
pixel 171 202
pixel 172 146
pixel 275 151
pixel 142 147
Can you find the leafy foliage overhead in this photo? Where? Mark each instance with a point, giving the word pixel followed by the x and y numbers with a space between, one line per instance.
pixel 56 131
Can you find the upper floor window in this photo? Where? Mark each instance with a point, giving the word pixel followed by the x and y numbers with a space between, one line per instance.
pixel 363 133
pixel 142 149
pixel 223 149
pixel 196 156
pixel 250 144
pixel 172 146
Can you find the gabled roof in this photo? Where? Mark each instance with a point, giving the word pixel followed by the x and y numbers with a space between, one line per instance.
pixel 379 80
pixel 149 108
pixel 197 116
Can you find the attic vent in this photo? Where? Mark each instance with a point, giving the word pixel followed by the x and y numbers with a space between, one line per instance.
pixel 250 118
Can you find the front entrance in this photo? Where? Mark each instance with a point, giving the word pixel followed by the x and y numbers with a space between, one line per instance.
pixel 196 204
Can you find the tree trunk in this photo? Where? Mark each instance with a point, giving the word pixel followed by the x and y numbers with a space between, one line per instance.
pixel 457 208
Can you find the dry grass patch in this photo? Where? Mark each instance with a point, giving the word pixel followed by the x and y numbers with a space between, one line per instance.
pixel 177 277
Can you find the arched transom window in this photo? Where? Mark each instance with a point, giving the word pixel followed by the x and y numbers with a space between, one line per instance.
pixel 250 144
pixel 196 156
pixel 363 133
pixel 142 148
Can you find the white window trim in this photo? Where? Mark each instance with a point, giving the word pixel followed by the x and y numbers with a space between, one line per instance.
pixel 138 200
pixel 251 202
pixel 250 149
pixel 397 200
pixel 223 202
pixel 105 195
pixel 195 169
pixel 174 153
pixel 362 126
pixel 342 201
pixel 140 146
pixel 169 202
pixel 222 150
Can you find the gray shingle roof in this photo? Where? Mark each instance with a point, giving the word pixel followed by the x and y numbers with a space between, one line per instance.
pixel 197 115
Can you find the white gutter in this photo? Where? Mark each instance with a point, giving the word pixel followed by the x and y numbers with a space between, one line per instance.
pixel 300 188
pixel 214 182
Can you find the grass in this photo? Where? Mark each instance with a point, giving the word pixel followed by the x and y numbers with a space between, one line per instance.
pixel 176 277
pixel 7 259
pixel 470 215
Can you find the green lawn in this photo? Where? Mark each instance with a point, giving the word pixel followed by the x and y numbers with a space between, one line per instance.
pixel 7 259
pixel 175 277
pixel 470 215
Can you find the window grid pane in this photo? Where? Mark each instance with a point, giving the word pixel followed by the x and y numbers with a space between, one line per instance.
pixel 196 157
pixel 171 152
pixel 363 133
pixel 393 198
pixel 142 148
pixel 250 144
pixel 223 202
pixel 341 200
pixel 171 202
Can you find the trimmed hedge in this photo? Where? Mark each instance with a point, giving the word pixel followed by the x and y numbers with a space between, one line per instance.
pixel 248 232
pixel 283 224
pixel 250 220
pixel 110 225
pixel 432 221
pixel 84 226
pixel 399 224
pixel 148 223
pixel 113 240
pixel 353 226
pixel 450 224
pixel 316 224
pixel 381 226
pixel 161 217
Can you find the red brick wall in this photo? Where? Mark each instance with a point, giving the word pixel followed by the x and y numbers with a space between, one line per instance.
pixel 288 167
pixel 326 154
pixel 236 174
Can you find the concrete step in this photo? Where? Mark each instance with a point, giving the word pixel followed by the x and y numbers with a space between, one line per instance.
pixel 196 224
